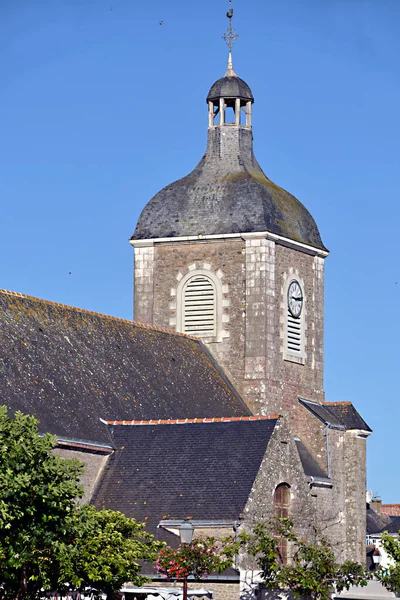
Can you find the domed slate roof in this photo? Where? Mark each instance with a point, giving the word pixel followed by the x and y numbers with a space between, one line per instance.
pixel 230 86
pixel 227 193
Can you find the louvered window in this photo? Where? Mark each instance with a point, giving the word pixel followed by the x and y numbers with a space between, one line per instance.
pixel 199 308
pixel 293 334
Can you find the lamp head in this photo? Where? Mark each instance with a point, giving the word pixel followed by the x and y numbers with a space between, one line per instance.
pixel 186 532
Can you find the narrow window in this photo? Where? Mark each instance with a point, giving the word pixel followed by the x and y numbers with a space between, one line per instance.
pixel 281 510
pixel 199 306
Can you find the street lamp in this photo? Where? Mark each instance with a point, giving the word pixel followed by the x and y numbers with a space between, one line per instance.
pixel 186 534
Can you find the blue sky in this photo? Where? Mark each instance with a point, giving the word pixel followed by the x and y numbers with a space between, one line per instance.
pixel 101 106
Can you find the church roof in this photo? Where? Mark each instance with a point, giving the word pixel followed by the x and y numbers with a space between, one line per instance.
pixel 227 192
pixel 341 415
pixel 202 471
pixel 228 87
pixel 348 415
pixel 70 368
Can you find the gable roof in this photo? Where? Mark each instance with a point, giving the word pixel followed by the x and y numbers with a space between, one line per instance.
pixel 203 471
pixel 339 415
pixel 70 367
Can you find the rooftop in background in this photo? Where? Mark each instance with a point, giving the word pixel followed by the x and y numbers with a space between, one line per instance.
pixel 393 527
pixel 70 367
pixel 392 510
pixel 375 521
pixel 202 471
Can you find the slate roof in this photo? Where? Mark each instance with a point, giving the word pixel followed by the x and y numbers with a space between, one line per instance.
pixel 71 367
pixel 375 521
pixel 393 526
pixel 203 471
pixel 230 86
pixel 341 415
pixel 227 193
pixel 348 415
pixel 310 466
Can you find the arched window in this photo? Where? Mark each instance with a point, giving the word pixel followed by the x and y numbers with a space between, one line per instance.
pixel 199 303
pixel 281 510
pixel 199 306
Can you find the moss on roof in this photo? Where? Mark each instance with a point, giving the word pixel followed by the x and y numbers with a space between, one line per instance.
pixel 71 367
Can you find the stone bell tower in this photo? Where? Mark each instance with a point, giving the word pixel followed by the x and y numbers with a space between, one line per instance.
pixel 227 255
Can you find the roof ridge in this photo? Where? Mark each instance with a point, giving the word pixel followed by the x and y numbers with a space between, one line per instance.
pixel 196 420
pixel 345 402
pixel 97 314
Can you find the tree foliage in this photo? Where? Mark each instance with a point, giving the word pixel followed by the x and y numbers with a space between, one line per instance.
pixel 200 558
pixel 311 572
pixel 105 552
pixel 38 490
pixel 48 542
pixel 390 576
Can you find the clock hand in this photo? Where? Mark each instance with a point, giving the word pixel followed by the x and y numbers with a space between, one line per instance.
pixel 297 299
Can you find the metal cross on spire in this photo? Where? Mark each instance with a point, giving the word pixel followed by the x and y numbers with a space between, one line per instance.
pixel 230 36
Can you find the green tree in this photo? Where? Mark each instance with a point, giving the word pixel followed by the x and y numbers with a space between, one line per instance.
pixel 38 492
pixel 311 572
pixel 390 576
pixel 104 553
pixel 47 541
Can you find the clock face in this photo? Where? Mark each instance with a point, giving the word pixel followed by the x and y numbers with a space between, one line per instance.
pixel 295 298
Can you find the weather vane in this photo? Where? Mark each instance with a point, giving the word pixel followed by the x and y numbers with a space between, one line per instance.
pixel 230 36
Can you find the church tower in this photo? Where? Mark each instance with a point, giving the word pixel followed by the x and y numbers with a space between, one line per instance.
pixel 227 255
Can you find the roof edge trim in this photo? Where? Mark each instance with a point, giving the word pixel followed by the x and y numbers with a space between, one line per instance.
pixel 313 250
pixel 197 420
pixel 83 445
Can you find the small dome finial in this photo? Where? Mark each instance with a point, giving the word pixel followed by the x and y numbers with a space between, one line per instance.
pixel 230 37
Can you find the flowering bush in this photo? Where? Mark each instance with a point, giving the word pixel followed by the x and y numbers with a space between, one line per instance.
pixel 198 559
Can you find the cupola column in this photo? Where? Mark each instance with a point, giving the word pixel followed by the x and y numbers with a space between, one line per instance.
pixel 237 111
pixel 210 114
pixel 221 111
pixel 248 114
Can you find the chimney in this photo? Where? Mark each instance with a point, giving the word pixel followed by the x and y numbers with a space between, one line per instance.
pixel 376 505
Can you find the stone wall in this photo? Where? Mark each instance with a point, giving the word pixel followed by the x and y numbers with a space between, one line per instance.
pixel 253 271
pixel 223 590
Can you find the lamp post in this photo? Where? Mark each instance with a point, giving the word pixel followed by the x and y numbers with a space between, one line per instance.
pixel 186 534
